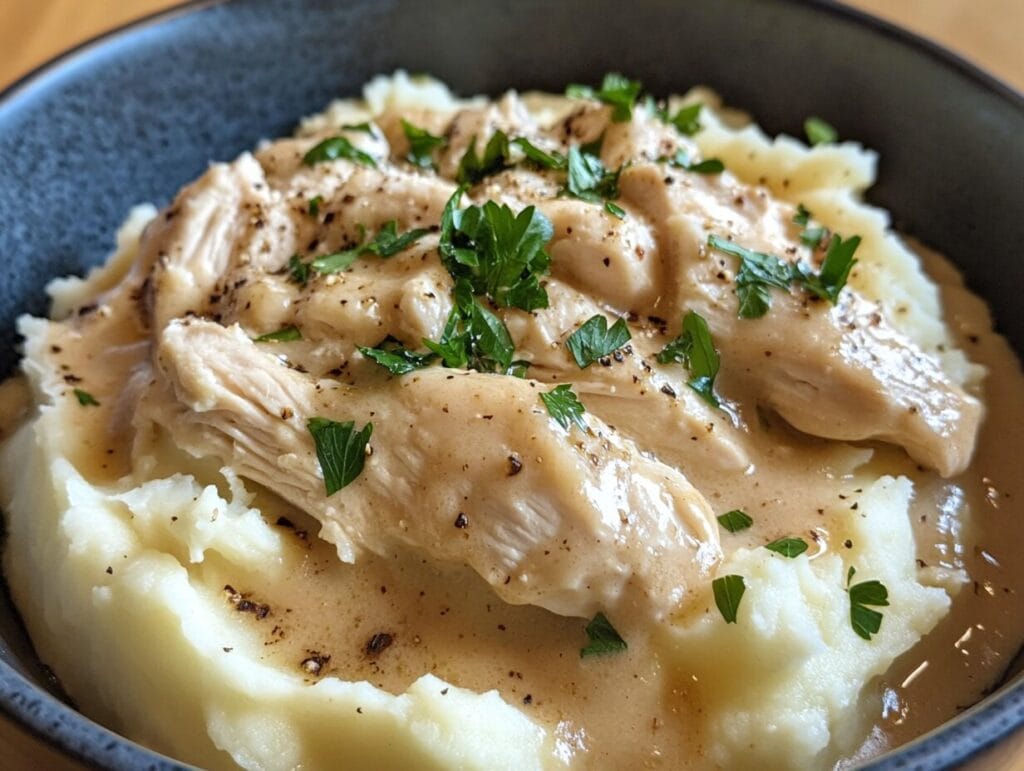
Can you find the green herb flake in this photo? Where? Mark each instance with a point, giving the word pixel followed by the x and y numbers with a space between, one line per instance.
pixel 735 520
pixel 835 269
pixel 365 127
pixel 496 158
pixel 863 619
pixel 473 337
pixel 396 358
pixel 687 119
pixel 314 205
pixel 595 339
pixel 682 160
pixel 602 638
pixel 422 145
pixel 615 210
pixel 728 591
pixel 819 132
pixel 298 271
pixel 540 158
pixel 788 547
pixel 340 449
pixel 616 90
pixel 387 243
pixel 85 398
pixel 695 350
pixel 499 253
pixel 588 179
pixel 564 406
pixel 283 335
pixel 809 236
pixel 335 148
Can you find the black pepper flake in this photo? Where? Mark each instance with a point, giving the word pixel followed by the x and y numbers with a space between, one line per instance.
pixel 462 521
pixel 668 390
pixel 514 465
pixel 285 522
pixel 528 699
pixel 244 605
pixel 379 642
pixel 848 543
pixel 110 570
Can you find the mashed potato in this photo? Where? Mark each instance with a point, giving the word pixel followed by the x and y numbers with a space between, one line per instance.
pixel 178 565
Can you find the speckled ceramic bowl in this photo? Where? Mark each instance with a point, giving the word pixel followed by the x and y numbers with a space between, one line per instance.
pixel 136 114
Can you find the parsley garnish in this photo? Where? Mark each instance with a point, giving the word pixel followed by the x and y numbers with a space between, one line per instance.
pixel 759 271
pixel 534 155
pixel 864 620
pixel 421 145
pixel 500 254
pixel 340 449
pixel 564 406
pixel 85 398
pixel 588 178
pixel 314 205
pixel 735 520
pixel 602 638
pixel 595 339
pixel 687 120
pixel 396 358
pixel 337 147
pixel 810 236
pixel 788 547
pixel 387 243
pixel 728 592
pixel 474 338
pixel 615 209
pixel 616 90
pixel 835 269
pixel 682 160
pixel 365 127
pixel 695 350
pixel 298 270
pixel 283 335
pixel 496 157
pixel 819 132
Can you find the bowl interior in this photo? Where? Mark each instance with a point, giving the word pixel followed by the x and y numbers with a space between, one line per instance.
pixel 133 117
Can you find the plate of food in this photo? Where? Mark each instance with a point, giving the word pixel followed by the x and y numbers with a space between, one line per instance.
pixel 628 386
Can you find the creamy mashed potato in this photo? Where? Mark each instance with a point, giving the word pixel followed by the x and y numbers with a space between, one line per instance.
pixel 180 565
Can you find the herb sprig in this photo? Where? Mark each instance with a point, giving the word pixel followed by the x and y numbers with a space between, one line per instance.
pixel 422 145
pixel 594 339
pixel 616 90
pixel 695 350
pixel 602 638
pixel 386 243
pixel 396 358
pixel 864 620
pixel 564 406
pixel 340 449
pixel 337 147
pixel 728 591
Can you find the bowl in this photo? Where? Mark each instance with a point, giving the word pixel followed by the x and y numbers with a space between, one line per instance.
pixel 135 114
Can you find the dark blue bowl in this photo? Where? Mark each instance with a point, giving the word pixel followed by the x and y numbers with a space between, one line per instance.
pixel 136 114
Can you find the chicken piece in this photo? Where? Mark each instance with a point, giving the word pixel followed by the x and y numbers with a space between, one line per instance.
pixel 466 468
pixel 840 372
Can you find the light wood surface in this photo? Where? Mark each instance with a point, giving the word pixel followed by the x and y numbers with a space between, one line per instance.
pixel 989 33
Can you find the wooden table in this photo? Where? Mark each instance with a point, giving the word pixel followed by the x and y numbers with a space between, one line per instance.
pixel 988 32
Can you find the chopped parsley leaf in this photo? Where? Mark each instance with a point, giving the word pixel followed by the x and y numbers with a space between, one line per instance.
pixel 564 406
pixel 864 620
pixel 735 520
pixel 421 145
pixel 728 591
pixel 616 90
pixel 298 271
pixel 615 210
pixel 85 398
pixel 759 271
pixel 835 269
pixel 695 350
pixel 819 132
pixel 340 449
pixel 534 155
pixel 387 243
pixel 496 158
pixel 337 147
pixel 810 236
pixel 687 119
pixel 682 160
pixel 314 205
pixel 602 638
pixel 474 338
pixel 588 178
pixel 595 339
pixel 365 127
pixel 788 547
pixel 283 335
pixel 396 358
pixel 500 254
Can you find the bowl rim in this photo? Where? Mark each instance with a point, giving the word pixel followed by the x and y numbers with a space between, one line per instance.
pixel 62 728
